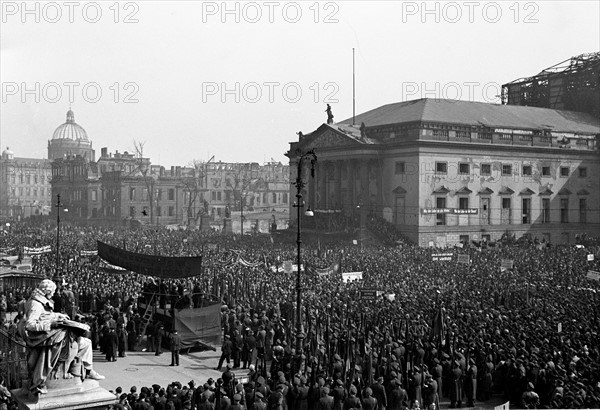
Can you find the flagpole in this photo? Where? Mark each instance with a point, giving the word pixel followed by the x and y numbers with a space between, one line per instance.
pixel 353 90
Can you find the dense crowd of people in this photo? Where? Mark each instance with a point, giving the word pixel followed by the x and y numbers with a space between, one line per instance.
pixel 434 330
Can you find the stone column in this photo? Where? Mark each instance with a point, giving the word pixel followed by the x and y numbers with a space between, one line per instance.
pixel 350 166
pixel 379 187
pixel 338 191
pixel 323 169
pixel 364 181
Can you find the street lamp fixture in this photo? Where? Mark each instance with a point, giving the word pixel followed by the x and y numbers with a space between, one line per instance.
pixel 300 185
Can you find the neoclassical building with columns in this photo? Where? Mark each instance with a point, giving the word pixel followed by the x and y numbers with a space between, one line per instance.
pixel 446 171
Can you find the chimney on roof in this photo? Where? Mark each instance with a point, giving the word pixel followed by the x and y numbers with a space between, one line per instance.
pixel 104 152
pixel 172 170
pixel 178 171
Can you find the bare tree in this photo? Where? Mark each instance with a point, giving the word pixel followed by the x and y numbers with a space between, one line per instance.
pixel 195 185
pixel 143 167
pixel 242 184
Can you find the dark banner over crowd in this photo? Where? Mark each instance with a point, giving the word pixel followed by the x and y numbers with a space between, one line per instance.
pixel 162 266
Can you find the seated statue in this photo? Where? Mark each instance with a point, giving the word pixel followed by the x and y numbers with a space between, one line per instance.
pixel 55 342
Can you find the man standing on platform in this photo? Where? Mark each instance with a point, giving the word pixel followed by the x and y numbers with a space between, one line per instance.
pixel 175 346
pixel 158 336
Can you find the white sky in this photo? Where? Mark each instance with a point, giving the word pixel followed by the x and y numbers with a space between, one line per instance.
pixel 178 58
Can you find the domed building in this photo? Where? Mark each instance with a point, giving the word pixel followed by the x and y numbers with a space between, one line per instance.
pixel 8 154
pixel 70 139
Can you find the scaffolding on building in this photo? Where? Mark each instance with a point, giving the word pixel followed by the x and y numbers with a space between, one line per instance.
pixel 573 84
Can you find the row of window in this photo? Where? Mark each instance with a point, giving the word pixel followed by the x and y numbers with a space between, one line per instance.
pixel 41 192
pixel 507 207
pixel 464 168
pixel 28 179
pixel 217 196
pixel 159 194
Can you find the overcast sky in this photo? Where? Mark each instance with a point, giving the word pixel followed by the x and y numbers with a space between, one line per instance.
pixel 237 80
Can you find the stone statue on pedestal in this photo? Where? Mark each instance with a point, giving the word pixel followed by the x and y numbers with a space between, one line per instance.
pixel 57 346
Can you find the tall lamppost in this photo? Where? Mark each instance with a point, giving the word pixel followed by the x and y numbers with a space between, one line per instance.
pixel 58 207
pixel 300 184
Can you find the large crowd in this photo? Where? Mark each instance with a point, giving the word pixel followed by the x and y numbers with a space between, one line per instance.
pixel 436 329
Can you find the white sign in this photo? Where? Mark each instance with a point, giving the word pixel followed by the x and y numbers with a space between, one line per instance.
pixel 287 266
pixel 559 327
pixel 350 276
pixel 441 256
pixel 593 275
pixel 391 297
pixel 590 257
pixel 354 242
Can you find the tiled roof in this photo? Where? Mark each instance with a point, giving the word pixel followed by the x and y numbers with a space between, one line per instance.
pixel 478 113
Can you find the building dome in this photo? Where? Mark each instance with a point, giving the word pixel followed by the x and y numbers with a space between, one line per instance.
pixel 70 130
pixel 7 154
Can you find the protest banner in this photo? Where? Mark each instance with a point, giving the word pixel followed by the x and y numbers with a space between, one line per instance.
pixel 350 276
pixel 369 293
pixel 441 256
pixel 463 259
pixel 593 275
pixel 161 266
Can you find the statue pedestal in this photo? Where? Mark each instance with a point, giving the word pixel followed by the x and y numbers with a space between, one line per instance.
pixel 205 223
pixel 227 226
pixel 66 394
